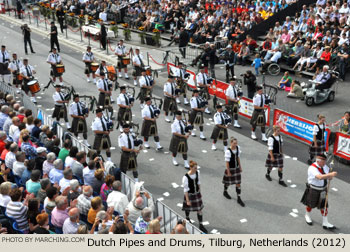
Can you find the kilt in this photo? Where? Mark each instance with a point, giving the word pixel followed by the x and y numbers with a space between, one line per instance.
pixel 15 81
pixel 216 133
pixel 175 143
pixel 204 93
pixel 53 72
pixel 146 130
pixel 60 112
pixel 233 106
pixel 137 71
pixel 25 87
pixel 196 114
pixel 4 69
pixel 196 202
pixel 320 149
pixel 277 163
pixel 76 126
pixel 102 100
pixel 124 115
pixel 235 177
pixel 144 92
pixel 88 68
pixel 126 161
pixel 98 140
pixel 314 198
pixel 120 63
pixel 169 104
pixel 254 119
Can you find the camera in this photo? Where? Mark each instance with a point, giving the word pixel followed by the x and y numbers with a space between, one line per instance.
pixel 137 142
pixel 188 128
pixel 110 125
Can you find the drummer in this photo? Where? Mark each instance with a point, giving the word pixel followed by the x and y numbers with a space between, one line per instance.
pixel 138 65
pixel 15 68
pixel 120 51
pixel 27 71
pixel 89 58
pixel 54 59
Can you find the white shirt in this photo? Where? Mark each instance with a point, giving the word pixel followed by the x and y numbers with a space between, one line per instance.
pixel 175 127
pixel 18 168
pixel 88 56
pixel 68 162
pixel 64 183
pixel 123 141
pixel 103 16
pixel 58 96
pixel 88 176
pixel 194 102
pixel 27 69
pixel 98 71
pixel 270 141
pixel 73 108
pixel 231 92
pixel 54 58
pixel 117 200
pixel 180 73
pixel 169 87
pixel 102 84
pixel 257 100
pixel 315 130
pixel 13 129
pixel 4 200
pixel 121 99
pixel 15 65
pixel 185 181
pixel 136 59
pixel 145 81
pixel 219 118
pixel 228 153
pixel 120 50
pixel 146 111
pixel 7 57
pixel 202 78
pixel 10 159
pixel 311 175
pixel 97 124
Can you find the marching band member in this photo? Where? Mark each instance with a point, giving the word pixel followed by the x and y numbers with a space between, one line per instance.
pixel 105 94
pixel 275 156
pixel 54 59
pixel 233 97
pixel 102 68
pixel 27 71
pixel 149 124
pixel 15 68
pixel 196 115
pixel 4 62
pixel 120 51
pixel 193 198
pixel 316 190
pixel 179 138
pixel 79 113
pixel 89 58
pixel 220 129
pixel 128 159
pixel 124 103
pixel 180 77
pixel 60 110
pixel 138 65
pixel 232 175
pixel 101 128
pixel 258 116
pixel 318 145
pixel 169 97
pixel 146 87
pixel 202 83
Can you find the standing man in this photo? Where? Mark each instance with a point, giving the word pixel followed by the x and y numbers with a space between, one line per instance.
pixel 343 56
pixel 27 40
pixel 318 146
pixel 4 62
pixel 183 41
pixel 138 65
pixel 53 37
pixel 220 129
pixel 233 98
pixel 232 175
pixel 103 35
pixel 149 124
pixel 60 16
pixel 169 97
pixel 120 51
pixel 318 176
pixel 100 128
pixel 179 138
pixel 181 77
pixel 146 87
pixel 258 117
pixel 229 57
pixel 275 155
pixel 60 110
pixel 250 81
pixel 27 71
pixel 89 58
pixel 19 9
pixel 104 97
pixel 196 115
pixel 79 112
pixel 15 68
pixel 54 59
pixel 202 83
pixel 125 104
pixel 129 152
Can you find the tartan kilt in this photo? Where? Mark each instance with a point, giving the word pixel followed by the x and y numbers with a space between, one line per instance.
pixel 124 115
pixel 57 112
pixel 88 68
pixel 313 198
pixel 137 71
pixel 169 105
pixel 235 177
pixel 175 142
pixel 25 87
pixel 120 64
pixel 234 106
pixel 146 128
pixel 196 202
pixel 4 69
pixel 314 151
pixel 204 93
pixel 76 128
pixel 144 92
pixel 254 119
pixel 54 73
pixel 216 133
pixel 124 164
pixel 196 114
pixel 98 140
pixel 101 100
pixel 15 81
pixel 277 163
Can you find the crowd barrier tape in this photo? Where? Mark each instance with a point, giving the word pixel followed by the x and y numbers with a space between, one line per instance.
pixel 297 127
pixel 247 107
pixel 342 145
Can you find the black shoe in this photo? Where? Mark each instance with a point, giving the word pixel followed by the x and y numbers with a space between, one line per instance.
pixel 239 201
pixel 267 176
pixel 189 220
pixel 203 229
pixel 33 52
pixel 281 182
pixel 227 196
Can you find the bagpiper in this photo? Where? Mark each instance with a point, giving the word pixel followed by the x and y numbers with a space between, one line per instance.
pixel 169 97
pixel 125 104
pixel 181 76
pixel 102 127
pixel 220 129
pixel 233 97
pixel 138 65
pixel 258 117
pixel 104 97
pixel 196 114
pixel 203 83
pixel 318 144
pixel 146 87
pixel 79 112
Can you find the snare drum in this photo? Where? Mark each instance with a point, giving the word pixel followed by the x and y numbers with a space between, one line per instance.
pixel 126 61
pixel 111 72
pixel 60 69
pixel 94 66
pixel 33 86
pixel 148 70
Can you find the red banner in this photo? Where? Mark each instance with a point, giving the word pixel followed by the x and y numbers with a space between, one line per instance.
pixel 342 146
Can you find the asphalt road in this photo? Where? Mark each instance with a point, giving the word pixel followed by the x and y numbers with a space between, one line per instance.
pixel 270 208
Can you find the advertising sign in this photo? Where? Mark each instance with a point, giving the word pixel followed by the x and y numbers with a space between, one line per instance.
pixel 342 146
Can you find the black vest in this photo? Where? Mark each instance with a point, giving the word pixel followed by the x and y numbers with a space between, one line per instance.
pixel 193 183
pixel 320 133
pixel 234 158
pixel 276 145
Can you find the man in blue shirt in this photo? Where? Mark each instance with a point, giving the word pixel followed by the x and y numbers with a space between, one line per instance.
pixel 3 115
pixel 27 148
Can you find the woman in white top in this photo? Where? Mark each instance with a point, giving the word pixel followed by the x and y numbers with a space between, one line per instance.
pixel 71 158
pixel 30 124
pixel 5 189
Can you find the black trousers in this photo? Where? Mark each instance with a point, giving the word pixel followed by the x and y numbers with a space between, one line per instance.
pixel 28 41
pixel 54 41
pixel 183 51
pixel 60 21
pixel 103 42
pixel 228 70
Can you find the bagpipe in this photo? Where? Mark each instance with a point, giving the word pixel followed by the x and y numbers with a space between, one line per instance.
pixel 202 102
pixel 135 132
pixel 188 127
pixel 157 105
pixel 227 119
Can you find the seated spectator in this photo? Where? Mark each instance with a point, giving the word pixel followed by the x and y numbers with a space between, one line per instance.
pixel 64 152
pixel 122 227
pixel 98 181
pixel 3 115
pixel 19 166
pixel 106 188
pixel 49 144
pixel 84 200
pixel 154 227
pixel 77 165
pixel 89 171
pixel 60 212
pixel 105 218
pixel 243 55
pixel 180 228
pixel 40 158
pixel 65 181
pixel 322 78
pixel 27 148
pixel 22 133
pixel 36 129
pixel 48 164
pixel 27 173
pixel 71 224
pixel 71 157
pixel 44 185
pixel 74 191
pixel 96 206
pixel 323 60
pixel 116 199
pixel 303 57
pixel 296 53
pixel 18 210
pixel 30 124
pixel 251 43
pixel 343 127
pixel 3 137
pixel 5 151
pixel 49 202
pixel 11 156
pixel 5 189
pixel 56 174
pixel 43 138
pixel 296 90
pixel 285 82
pixel 43 224
pixel 141 224
pixel 21 113
pixel 136 205
pixel 33 185
pixel 8 122
pixel 14 129
pixel 33 212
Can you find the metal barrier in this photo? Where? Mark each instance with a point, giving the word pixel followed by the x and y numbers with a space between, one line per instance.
pixel 5 88
pixel 28 104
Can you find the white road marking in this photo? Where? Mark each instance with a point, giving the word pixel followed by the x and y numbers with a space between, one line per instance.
pixel 289 181
pixel 243 220
pixel 145 151
pixel 295 210
pixel 166 194
pixel 205 223
pixel 286 156
pixel 179 204
pixel 160 199
pixel 293 186
pixel 151 159
pixel 295 158
pixel 204 151
pixel 112 148
pixel 293 214
pixel 214 231
pixel 334 189
pixel 175 185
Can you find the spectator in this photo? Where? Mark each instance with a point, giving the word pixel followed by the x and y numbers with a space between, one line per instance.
pixel 43 135
pixel 257 63
pixel 33 211
pixel 296 90
pixel 89 171
pixel 36 129
pixel 48 164
pixel 180 228
pixel 323 60
pixel 56 174
pixel 343 127
pixel 43 224
pixel 96 206
pixel 72 157
pixel 8 122
pixel 78 165
pixel 105 218
pixel 343 59
pixel 243 55
pixel 120 227
pixel 98 181
pixel 136 205
pixel 154 227
pixel 84 200
pixel 296 53
pixel 27 173
pixel 285 82
pixel 65 181
pixel 33 185
pixel 141 224
pixel 116 199
pixel 40 158
pixel 49 202
pixel 30 124
pixel 71 224
pixel 303 57
pixel 14 130
pixel 21 113
pixel 64 152
pixel 5 189
pixel 27 148
pixel 11 156
pixel 44 185
pixel 55 148
pixel 4 115
pixel 60 212
pixel 106 188
pixel 19 166
pixel 74 191
pixel 18 210
pixel 5 151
